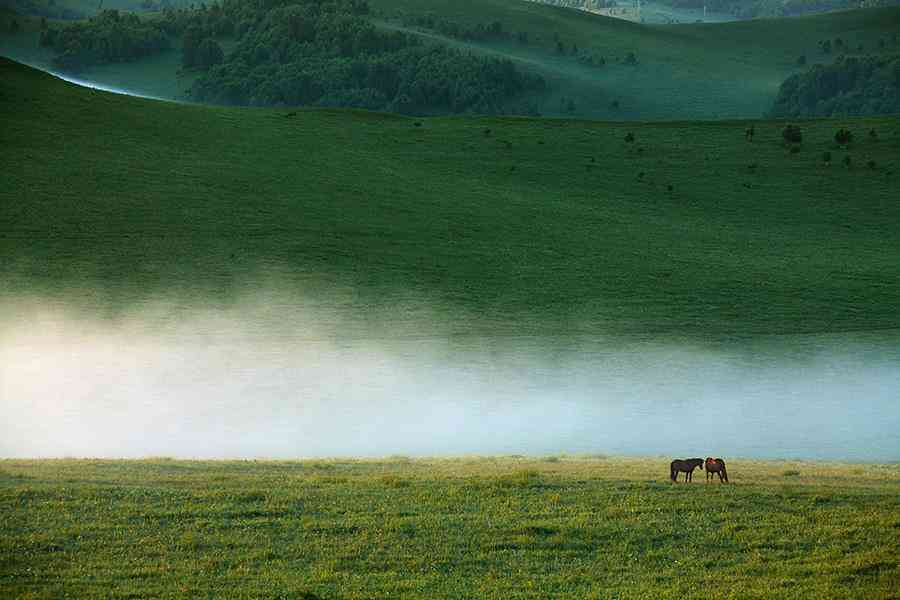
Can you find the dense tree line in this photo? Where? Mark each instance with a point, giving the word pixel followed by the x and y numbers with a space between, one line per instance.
pixel 109 37
pixel 326 53
pixel 301 52
pixel 850 86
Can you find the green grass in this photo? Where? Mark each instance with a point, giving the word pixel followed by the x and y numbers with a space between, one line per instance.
pixel 543 227
pixel 462 528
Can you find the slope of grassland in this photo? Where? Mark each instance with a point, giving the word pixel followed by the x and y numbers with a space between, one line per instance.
pixel 467 528
pixel 506 226
pixel 696 71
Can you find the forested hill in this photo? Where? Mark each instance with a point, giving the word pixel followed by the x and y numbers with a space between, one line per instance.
pixel 426 57
pixel 851 86
pixel 301 52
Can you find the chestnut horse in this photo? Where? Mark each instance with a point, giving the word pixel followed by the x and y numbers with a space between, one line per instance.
pixel 716 465
pixel 684 466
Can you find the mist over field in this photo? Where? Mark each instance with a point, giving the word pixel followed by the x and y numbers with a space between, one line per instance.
pixel 272 377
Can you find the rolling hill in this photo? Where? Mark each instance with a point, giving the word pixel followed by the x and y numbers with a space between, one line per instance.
pixel 595 66
pixel 503 226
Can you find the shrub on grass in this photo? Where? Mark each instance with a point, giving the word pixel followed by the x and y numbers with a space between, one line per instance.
pixel 843 136
pixel 792 134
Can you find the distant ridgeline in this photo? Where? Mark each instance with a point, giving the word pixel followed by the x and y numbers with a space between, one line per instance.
pixel 750 9
pixel 43 8
pixel 868 85
pixel 742 9
pixel 301 52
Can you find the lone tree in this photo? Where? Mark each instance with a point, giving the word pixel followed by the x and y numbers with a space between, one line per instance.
pixel 629 137
pixel 792 134
pixel 843 136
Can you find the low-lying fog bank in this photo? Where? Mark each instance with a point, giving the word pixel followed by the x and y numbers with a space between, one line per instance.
pixel 265 379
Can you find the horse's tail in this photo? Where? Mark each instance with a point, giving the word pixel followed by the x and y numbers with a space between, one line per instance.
pixel 724 472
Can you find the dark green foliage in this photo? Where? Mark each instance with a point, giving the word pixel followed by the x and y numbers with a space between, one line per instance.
pixel 848 162
pixel 826 157
pixel 850 86
pixel 110 37
pixel 209 53
pixel 479 32
pixel 801 60
pixel 826 46
pixel 199 51
pixel 843 136
pixel 792 134
pixel 629 137
pixel 305 52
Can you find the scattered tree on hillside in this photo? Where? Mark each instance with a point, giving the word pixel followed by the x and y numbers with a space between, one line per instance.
pixel 792 134
pixel 843 137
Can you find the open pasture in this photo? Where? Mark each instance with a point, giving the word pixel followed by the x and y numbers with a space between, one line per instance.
pixel 507 527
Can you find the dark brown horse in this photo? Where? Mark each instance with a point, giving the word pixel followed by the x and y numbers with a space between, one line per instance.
pixel 716 465
pixel 684 466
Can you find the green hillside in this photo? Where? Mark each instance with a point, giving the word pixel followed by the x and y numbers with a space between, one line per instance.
pixel 696 71
pixel 504 225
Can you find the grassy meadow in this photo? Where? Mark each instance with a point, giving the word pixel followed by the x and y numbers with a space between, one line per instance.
pixel 514 527
pixel 509 226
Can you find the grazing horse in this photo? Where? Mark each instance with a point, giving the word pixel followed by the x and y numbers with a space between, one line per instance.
pixel 684 466
pixel 716 465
